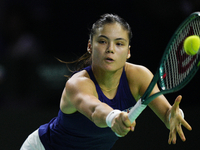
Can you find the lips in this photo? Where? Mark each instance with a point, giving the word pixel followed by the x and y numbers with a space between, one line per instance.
pixel 108 59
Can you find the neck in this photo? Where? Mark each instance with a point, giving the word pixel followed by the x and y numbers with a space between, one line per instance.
pixel 108 81
pixel 108 90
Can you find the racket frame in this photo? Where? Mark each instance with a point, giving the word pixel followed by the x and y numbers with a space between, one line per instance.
pixel 146 99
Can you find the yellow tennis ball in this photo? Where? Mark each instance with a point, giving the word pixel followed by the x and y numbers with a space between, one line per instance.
pixel 192 44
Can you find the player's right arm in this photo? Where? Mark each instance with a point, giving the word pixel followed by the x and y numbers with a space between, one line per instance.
pixel 80 95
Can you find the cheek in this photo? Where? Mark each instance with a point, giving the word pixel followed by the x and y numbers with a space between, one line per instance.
pixel 96 54
pixel 123 55
pixel 98 50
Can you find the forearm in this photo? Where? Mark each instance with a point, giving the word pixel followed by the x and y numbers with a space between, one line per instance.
pixel 161 108
pixel 100 113
pixel 167 119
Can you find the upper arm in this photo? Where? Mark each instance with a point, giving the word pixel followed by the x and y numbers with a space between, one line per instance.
pixel 80 95
pixel 142 78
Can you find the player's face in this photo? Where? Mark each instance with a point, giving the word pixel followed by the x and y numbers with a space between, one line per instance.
pixel 110 47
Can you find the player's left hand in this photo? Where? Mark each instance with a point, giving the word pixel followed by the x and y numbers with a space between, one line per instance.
pixel 176 121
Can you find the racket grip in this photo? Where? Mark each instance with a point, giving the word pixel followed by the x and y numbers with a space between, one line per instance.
pixel 136 110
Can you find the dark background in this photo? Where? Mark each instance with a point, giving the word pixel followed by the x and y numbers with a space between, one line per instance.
pixel 34 32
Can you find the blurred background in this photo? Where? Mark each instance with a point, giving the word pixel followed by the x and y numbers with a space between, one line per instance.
pixel 34 33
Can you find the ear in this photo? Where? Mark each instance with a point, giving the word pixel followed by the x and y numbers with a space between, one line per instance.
pixel 129 52
pixel 89 47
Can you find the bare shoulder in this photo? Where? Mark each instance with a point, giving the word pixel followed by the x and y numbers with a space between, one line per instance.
pixel 135 71
pixel 78 85
pixel 79 80
pixel 138 78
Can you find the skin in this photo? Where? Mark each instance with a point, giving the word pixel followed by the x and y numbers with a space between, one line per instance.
pixel 110 50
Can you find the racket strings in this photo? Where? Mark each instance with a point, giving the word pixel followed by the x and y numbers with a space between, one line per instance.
pixel 177 66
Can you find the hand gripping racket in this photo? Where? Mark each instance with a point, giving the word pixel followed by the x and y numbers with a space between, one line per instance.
pixel 176 68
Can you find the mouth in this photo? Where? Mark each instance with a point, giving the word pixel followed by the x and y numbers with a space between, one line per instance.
pixel 109 59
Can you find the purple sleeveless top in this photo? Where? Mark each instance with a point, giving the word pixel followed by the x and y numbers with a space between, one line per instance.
pixel 77 132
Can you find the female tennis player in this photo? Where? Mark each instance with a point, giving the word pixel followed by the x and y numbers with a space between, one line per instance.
pixel 95 100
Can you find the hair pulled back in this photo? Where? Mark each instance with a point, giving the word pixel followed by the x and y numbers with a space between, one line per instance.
pixel 85 60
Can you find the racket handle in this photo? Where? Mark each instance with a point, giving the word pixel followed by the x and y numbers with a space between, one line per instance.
pixel 136 110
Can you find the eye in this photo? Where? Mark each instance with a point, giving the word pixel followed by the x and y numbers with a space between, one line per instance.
pixel 102 41
pixel 120 44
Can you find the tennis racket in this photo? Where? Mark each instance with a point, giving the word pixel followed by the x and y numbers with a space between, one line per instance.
pixel 176 68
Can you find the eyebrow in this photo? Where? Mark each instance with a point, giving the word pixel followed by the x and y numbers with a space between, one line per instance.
pixel 115 39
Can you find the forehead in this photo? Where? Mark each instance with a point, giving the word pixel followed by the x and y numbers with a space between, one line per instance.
pixel 113 30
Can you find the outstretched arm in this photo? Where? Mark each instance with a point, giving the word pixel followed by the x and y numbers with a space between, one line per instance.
pixel 160 105
pixel 80 95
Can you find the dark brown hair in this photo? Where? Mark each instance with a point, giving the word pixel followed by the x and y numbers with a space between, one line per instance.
pixel 85 60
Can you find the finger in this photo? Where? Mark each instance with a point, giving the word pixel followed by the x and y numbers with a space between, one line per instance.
pixel 185 124
pixel 126 120
pixel 172 136
pixel 125 125
pixel 177 101
pixel 174 139
pixel 133 126
pixel 119 124
pixel 128 123
pixel 122 130
pixel 120 133
pixel 180 132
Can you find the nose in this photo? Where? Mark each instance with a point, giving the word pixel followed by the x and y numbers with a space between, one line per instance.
pixel 110 48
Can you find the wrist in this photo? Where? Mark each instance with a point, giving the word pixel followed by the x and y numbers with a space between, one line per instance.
pixel 181 111
pixel 111 116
